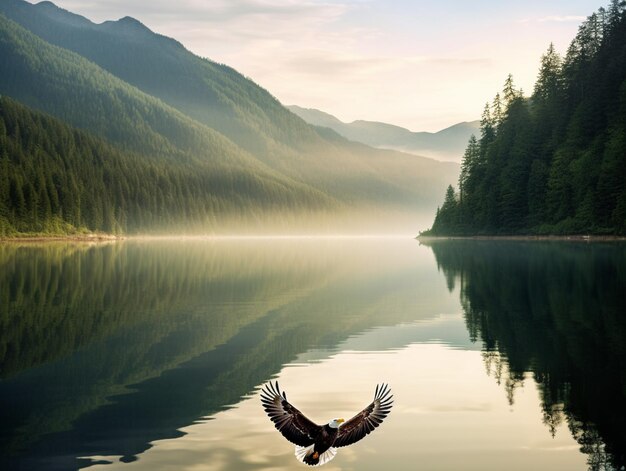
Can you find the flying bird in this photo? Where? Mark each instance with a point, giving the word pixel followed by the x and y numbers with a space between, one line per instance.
pixel 316 444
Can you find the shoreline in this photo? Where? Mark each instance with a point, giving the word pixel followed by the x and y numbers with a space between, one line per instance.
pixel 100 238
pixel 63 238
pixel 529 238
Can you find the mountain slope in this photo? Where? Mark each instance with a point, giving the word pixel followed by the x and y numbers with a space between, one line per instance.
pixel 211 93
pixel 56 179
pixel 447 144
pixel 283 147
pixel 66 85
pixel 227 179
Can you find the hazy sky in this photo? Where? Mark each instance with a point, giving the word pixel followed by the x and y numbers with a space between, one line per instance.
pixel 419 64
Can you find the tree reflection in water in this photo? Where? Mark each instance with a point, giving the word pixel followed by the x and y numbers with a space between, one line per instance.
pixel 555 312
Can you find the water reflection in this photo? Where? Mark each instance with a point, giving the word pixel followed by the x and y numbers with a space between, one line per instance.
pixel 149 355
pixel 106 349
pixel 557 311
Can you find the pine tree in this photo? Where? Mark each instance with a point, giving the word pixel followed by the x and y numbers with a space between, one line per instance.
pixel 537 186
pixel 548 83
pixel 509 93
pixel 496 111
pixel 616 9
pixel 468 164
pixel 487 128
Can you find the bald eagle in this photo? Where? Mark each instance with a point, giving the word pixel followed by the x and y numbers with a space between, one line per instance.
pixel 316 444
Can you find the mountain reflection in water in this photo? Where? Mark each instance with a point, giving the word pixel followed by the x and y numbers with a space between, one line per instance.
pixel 149 355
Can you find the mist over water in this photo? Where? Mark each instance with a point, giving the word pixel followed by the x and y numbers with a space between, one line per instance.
pixel 150 354
pixel 343 222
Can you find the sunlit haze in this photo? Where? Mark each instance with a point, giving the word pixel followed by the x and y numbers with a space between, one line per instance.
pixel 257 235
pixel 421 65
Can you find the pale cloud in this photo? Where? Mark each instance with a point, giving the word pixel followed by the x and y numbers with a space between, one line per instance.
pixel 216 11
pixel 416 64
pixel 459 61
pixel 329 64
pixel 555 19
pixel 322 63
pixel 561 19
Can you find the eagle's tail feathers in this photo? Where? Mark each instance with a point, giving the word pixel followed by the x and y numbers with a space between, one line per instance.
pixel 307 455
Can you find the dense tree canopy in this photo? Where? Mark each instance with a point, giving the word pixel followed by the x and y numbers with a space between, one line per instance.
pixel 270 170
pixel 554 163
pixel 55 179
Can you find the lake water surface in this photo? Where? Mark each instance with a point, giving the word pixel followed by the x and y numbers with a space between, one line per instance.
pixel 149 355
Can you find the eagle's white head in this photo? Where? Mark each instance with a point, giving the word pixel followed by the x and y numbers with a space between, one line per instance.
pixel 335 423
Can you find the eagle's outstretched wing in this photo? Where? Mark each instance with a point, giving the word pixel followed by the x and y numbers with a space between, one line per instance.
pixel 289 421
pixel 366 420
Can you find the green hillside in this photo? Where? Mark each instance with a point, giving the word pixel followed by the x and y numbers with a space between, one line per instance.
pixel 554 163
pixel 362 178
pixel 181 172
pixel 247 154
pixel 55 179
pixel 211 93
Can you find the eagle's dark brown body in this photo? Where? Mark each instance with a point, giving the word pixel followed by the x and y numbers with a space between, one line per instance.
pixel 313 440
pixel 323 441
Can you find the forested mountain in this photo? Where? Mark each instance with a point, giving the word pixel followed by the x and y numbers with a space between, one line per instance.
pixel 236 127
pixel 554 163
pixel 447 144
pixel 56 179
pixel 211 93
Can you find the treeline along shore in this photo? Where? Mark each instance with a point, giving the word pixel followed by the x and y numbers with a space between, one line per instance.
pixel 553 163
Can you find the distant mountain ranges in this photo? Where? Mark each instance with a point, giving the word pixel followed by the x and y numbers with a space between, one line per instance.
pixel 447 144
pixel 175 142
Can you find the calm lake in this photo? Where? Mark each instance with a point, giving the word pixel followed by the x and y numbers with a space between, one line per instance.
pixel 149 355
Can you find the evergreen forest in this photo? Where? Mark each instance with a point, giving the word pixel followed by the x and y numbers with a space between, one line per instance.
pixel 554 162
pixel 55 179
pixel 138 135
